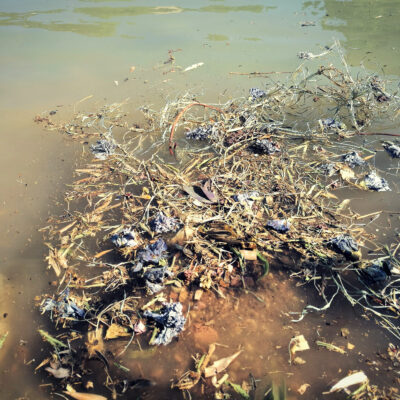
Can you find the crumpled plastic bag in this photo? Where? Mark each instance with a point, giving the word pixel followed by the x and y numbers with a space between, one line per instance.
pixel 125 238
pixel 374 182
pixel 171 321
pixel 152 253
pixel 102 149
pixel 64 308
pixel 154 278
pixel 353 159
pixel 163 224
pixel 378 272
pixel 344 244
pixel 331 123
pixel 392 149
pixel 328 169
pixel 279 225
pixel 265 146
pixel 247 198
pixel 257 93
pixel 204 132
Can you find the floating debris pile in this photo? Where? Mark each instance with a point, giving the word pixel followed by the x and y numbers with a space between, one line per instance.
pixel 212 220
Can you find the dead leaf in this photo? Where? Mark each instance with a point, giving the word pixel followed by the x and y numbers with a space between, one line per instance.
pixel 353 379
pixel 182 236
pixel 346 173
pixel 116 331
pixel 102 253
pixel 59 373
pixel 249 255
pixel 298 343
pixel 56 260
pixel 350 346
pixel 344 332
pixel 95 341
pixel 343 204
pixel 220 365
pixel 302 389
pixel 85 396
pixel 299 361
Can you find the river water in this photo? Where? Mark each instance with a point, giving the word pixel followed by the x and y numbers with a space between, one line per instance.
pixel 56 53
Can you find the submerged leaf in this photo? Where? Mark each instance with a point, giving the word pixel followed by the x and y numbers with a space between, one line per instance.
pixel 220 365
pixel 353 379
pixel 3 339
pixel 239 390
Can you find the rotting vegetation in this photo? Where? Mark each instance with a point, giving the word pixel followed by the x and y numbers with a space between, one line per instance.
pixel 214 219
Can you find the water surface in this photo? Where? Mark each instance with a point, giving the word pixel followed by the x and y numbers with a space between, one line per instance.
pixel 55 53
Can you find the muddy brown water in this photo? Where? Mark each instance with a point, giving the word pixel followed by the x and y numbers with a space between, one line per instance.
pixel 55 53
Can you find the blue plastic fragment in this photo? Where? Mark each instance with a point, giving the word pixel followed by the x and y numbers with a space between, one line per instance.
pixel 163 224
pixel 344 244
pixel 102 149
pixel 257 93
pixel 171 321
pixel 66 307
pixel 279 225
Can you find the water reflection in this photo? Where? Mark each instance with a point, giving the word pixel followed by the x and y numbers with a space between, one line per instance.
pixel 370 30
pixel 94 25
pixel 25 20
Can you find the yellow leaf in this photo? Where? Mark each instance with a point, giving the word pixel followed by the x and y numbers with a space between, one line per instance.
pixel 116 331
pixel 302 389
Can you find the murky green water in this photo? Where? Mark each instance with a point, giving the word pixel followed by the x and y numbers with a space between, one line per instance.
pixel 54 53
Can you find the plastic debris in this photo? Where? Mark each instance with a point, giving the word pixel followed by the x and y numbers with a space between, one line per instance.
pixel 265 146
pixel 344 244
pixel 125 238
pixel 279 225
pixel 375 182
pixel 246 198
pixel 102 149
pixel 328 169
pixel 305 55
pixel 200 133
pixel 330 123
pixel 163 224
pixel 194 66
pixel 257 93
pixel 353 159
pixel 139 328
pixel 64 308
pixel 59 373
pixel 170 319
pixel 392 149
pixel 154 278
pixel 153 253
pixel 378 272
